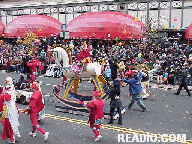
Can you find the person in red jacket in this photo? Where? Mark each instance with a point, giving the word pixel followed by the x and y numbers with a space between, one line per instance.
pixel 32 64
pixel 35 106
pixel 96 116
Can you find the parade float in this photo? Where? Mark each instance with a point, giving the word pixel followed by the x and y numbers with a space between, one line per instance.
pixel 63 59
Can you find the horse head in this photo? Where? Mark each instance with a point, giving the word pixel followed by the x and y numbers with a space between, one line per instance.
pixel 61 57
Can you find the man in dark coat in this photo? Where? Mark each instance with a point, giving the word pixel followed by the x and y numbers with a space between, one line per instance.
pixel 183 82
pixel 114 94
pixel 113 67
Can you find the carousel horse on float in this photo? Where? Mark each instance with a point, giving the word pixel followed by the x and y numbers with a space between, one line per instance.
pixel 73 72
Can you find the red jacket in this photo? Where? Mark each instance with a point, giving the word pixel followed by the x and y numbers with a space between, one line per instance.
pixel 96 110
pixel 32 66
pixel 36 105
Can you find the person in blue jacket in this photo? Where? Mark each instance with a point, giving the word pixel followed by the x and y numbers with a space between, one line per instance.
pixel 135 90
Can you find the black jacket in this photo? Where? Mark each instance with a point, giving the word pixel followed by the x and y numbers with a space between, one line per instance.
pixel 115 98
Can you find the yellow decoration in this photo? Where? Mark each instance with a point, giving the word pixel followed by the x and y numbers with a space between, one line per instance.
pixel 31 52
pixel 39 29
pixel 166 27
pixel 29 39
pixel 120 44
pixel 3 35
pixel 102 61
pixel 136 18
pixel 3 113
pixel 72 46
pixel 139 55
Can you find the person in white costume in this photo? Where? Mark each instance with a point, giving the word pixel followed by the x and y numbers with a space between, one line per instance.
pixel 12 113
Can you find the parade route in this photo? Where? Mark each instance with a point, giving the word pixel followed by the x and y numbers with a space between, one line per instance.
pixel 107 127
pixel 168 114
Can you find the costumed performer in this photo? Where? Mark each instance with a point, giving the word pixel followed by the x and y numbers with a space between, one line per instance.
pixel 96 116
pixel 32 64
pixel 11 123
pixel 10 89
pixel 35 106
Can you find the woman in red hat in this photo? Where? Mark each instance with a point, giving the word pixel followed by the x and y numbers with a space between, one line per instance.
pixel 96 116
pixel 35 106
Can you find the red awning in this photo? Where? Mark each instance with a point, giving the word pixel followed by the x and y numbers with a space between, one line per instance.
pixel 188 32
pixel 105 25
pixel 2 27
pixel 42 25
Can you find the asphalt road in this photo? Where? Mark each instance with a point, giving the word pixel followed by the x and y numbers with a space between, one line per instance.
pixel 168 113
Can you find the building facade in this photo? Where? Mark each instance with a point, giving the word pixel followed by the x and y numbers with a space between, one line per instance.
pixel 164 14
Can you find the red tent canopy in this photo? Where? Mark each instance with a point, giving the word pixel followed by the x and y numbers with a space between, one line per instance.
pixel 188 32
pixel 42 25
pixel 2 27
pixel 105 25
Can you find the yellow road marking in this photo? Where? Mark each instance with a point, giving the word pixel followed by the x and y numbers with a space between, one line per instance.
pixel 109 127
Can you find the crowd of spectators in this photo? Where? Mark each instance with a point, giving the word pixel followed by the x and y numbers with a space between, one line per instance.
pixel 166 58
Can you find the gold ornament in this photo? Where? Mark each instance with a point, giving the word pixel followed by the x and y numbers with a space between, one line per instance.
pixel 3 113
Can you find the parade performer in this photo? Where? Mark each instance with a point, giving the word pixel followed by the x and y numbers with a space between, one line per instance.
pixel 96 116
pixel 32 64
pixel 114 94
pixel 11 123
pixel 35 106
pixel 135 90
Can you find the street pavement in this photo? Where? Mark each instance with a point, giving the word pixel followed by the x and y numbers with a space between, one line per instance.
pixel 167 114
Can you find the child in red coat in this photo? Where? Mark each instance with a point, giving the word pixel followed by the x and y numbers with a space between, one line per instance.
pixel 96 116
